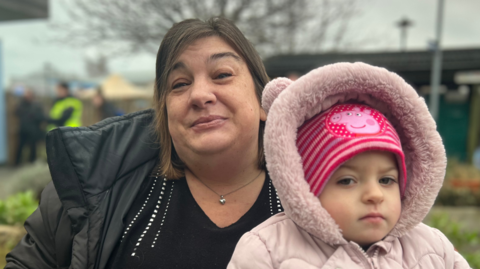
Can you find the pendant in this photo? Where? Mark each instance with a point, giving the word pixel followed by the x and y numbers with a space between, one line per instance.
pixel 222 200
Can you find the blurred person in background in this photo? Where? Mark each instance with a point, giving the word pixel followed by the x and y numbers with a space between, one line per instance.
pixel 476 158
pixel 30 117
pixel 173 187
pixel 66 109
pixel 105 109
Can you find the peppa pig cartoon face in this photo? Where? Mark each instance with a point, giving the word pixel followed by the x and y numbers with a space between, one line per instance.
pixel 352 120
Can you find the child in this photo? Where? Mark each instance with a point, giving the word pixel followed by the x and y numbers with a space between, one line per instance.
pixel 357 162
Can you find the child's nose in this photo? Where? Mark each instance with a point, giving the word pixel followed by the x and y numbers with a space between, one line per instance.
pixel 373 194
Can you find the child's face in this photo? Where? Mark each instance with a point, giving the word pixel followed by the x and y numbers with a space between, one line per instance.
pixel 363 197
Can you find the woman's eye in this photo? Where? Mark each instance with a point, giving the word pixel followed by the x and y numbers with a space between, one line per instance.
pixel 387 180
pixel 346 181
pixel 178 85
pixel 224 75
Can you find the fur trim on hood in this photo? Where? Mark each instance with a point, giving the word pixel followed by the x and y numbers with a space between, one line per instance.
pixel 289 104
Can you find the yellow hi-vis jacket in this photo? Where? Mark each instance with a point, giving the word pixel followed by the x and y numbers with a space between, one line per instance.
pixel 75 120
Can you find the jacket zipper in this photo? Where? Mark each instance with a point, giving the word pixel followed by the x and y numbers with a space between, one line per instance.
pixel 369 260
pixel 375 257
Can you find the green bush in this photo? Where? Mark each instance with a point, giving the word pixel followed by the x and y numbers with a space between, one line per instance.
pixel 16 208
pixel 459 186
pixel 466 242
pixel 457 170
pixel 449 196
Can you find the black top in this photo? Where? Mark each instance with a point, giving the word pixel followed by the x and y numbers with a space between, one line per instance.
pixel 166 228
pixel 107 110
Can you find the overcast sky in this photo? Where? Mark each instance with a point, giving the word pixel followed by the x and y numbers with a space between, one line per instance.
pixel 25 48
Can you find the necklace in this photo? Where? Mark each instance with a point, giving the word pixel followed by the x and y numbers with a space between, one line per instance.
pixel 222 197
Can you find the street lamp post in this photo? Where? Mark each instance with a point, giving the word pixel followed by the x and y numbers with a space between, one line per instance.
pixel 404 24
pixel 436 74
pixel 3 117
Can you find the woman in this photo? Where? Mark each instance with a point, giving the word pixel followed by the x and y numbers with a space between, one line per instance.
pixel 125 201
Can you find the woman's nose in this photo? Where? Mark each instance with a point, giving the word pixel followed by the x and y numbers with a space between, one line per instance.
pixel 202 94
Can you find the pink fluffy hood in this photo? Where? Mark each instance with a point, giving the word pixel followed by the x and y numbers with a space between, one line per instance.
pixel 290 103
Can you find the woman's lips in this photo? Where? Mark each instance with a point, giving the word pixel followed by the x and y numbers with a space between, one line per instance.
pixel 208 122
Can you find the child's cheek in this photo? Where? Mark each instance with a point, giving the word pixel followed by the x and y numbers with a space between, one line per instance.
pixel 396 211
pixel 337 211
pixel 394 206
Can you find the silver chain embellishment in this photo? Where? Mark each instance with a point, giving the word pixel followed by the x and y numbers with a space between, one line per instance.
pixel 141 209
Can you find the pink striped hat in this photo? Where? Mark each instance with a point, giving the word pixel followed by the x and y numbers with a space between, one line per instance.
pixel 331 138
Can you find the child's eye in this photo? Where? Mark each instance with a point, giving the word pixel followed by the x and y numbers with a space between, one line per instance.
pixel 224 75
pixel 346 181
pixel 387 181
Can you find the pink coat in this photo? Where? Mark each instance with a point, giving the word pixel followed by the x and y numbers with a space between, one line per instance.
pixel 280 243
pixel 306 236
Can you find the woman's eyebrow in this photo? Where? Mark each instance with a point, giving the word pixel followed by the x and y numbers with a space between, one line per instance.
pixel 220 55
pixel 178 65
pixel 213 57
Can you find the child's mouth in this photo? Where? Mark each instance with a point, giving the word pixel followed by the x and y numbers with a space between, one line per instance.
pixel 373 217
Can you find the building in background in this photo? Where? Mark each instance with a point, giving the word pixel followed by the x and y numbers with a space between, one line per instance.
pixel 123 94
pixel 459 111
pixel 44 82
pixel 15 11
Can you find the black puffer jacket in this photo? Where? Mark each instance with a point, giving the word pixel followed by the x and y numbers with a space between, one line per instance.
pixel 97 172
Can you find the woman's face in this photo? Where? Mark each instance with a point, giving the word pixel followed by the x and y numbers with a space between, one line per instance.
pixel 211 105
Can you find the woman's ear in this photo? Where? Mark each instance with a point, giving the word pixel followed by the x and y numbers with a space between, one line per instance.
pixel 272 90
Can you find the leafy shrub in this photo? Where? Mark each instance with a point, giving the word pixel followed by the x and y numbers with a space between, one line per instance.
pixel 3 252
pixel 17 208
pixel 449 196
pixel 461 171
pixel 459 186
pixel 466 242
pixel 14 210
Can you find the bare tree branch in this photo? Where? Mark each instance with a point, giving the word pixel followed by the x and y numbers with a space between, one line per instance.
pixel 273 26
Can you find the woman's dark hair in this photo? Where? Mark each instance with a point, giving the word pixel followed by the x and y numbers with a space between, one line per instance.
pixel 180 36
